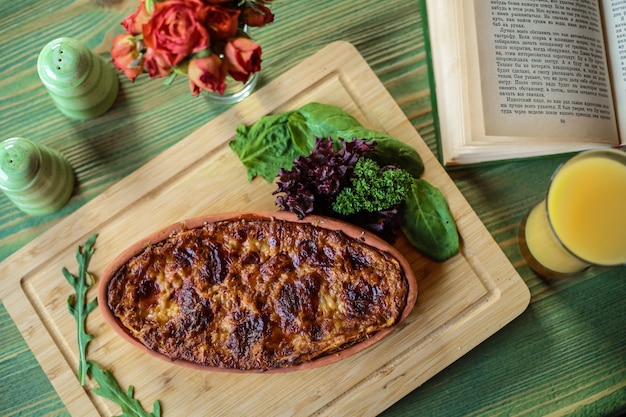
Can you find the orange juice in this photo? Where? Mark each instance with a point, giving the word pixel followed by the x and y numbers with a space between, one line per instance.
pixel 545 249
pixel 587 209
pixel 583 219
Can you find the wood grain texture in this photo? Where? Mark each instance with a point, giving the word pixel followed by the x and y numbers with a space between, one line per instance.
pixel 572 327
pixel 149 117
pixel 462 301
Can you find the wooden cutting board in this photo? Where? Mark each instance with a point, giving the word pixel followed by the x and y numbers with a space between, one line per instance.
pixel 461 302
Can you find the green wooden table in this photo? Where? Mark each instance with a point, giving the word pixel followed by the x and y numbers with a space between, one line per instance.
pixel 566 354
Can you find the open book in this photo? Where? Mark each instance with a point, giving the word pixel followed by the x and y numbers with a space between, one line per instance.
pixel 519 79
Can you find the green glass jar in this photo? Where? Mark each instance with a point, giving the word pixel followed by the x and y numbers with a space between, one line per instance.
pixel 37 179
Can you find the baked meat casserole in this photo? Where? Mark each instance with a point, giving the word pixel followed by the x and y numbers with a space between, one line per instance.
pixel 256 293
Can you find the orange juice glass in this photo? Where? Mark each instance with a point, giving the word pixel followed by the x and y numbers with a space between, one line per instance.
pixel 582 220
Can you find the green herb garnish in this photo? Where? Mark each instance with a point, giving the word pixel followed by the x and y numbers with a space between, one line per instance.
pixel 317 177
pixel 372 189
pixel 428 222
pixel 275 140
pixel 108 387
pixel 77 303
pixel 262 147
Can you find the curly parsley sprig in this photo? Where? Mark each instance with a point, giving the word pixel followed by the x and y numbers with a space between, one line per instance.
pixel 373 189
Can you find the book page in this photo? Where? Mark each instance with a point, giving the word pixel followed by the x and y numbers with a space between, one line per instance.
pixel 614 12
pixel 543 70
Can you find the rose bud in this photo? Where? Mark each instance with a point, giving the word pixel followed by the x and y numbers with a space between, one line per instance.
pixel 257 16
pixel 157 64
pixel 126 55
pixel 206 74
pixel 133 23
pixel 243 57
pixel 222 22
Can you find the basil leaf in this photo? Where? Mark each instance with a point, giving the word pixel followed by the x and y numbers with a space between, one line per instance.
pixel 274 141
pixel 264 147
pixel 390 151
pixel 428 222
pixel 322 120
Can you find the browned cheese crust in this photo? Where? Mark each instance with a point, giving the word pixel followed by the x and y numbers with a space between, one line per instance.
pixel 257 294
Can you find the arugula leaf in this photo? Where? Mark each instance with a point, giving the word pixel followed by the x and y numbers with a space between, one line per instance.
pixel 110 388
pixel 80 309
pixel 77 303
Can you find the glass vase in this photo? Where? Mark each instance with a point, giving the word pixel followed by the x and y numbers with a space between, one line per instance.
pixel 235 90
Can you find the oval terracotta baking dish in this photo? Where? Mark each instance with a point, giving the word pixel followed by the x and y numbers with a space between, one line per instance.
pixel 169 234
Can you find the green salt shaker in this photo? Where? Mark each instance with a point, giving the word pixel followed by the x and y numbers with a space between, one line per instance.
pixel 37 179
pixel 81 83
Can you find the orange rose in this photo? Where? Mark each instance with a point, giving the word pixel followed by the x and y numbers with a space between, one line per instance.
pixel 156 64
pixel 174 30
pixel 257 16
pixel 126 55
pixel 134 22
pixel 206 74
pixel 222 22
pixel 243 57
pixel 220 2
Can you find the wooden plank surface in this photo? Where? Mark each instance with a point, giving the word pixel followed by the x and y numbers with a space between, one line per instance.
pixel 461 302
pixel 566 354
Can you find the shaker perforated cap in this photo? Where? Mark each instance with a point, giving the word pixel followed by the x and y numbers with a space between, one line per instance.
pixel 65 64
pixel 19 163
pixel 38 179
pixel 81 83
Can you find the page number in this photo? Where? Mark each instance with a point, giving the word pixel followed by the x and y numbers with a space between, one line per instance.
pixel 562 121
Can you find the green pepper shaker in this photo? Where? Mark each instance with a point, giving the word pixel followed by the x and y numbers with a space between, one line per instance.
pixel 81 83
pixel 37 179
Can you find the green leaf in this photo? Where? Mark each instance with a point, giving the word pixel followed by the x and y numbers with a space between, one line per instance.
pixel 372 189
pixel 391 151
pixel 429 224
pixel 322 120
pixel 274 141
pixel 150 6
pixel 108 387
pixel 80 309
pixel 170 79
pixel 264 147
pixel 77 304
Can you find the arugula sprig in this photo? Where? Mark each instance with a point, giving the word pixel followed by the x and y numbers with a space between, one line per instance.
pixel 77 303
pixel 109 388
pixel 79 307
